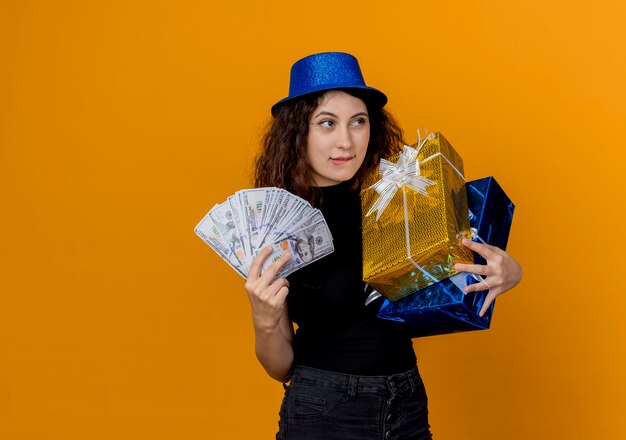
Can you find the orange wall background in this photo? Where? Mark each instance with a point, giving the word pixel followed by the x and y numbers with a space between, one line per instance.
pixel 123 122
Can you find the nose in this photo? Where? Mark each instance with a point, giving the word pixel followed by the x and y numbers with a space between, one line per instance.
pixel 344 138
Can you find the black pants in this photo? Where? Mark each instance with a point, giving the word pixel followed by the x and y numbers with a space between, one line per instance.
pixel 323 405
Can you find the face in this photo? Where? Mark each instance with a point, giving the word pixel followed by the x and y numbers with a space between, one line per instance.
pixel 339 132
pixel 304 250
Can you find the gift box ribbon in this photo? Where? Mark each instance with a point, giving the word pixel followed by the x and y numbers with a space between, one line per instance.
pixel 405 173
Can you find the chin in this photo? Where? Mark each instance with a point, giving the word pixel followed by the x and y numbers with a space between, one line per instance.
pixel 344 178
pixel 336 178
pixel 345 174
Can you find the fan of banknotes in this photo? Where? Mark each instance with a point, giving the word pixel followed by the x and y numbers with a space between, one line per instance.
pixel 253 219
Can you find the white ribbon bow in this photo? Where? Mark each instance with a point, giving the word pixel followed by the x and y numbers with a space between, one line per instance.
pixel 404 173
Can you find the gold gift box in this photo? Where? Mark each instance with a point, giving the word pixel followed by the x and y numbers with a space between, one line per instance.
pixel 424 225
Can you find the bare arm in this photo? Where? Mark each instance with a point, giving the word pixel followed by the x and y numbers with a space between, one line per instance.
pixel 272 328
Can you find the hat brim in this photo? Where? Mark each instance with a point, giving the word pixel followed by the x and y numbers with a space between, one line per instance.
pixel 373 95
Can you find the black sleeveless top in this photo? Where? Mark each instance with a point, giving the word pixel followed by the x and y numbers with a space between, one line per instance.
pixel 336 331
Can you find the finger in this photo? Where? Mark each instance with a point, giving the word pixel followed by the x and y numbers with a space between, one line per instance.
pixel 278 284
pixel 269 292
pixel 490 298
pixel 478 269
pixel 494 249
pixel 477 287
pixel 274 268
pixel 481 249
pixel 255 268
pixel 281 295
pixel 265 287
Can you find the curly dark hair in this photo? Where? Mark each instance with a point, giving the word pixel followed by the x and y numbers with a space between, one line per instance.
pixel 282 161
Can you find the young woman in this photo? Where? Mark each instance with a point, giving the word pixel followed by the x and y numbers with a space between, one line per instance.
pixel 351 375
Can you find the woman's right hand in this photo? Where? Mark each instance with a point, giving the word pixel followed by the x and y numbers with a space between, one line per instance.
pixel 267 295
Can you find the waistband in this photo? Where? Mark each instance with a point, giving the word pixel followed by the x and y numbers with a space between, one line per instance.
pixel 354 383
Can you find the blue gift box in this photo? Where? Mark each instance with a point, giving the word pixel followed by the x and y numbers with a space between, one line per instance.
pixel 443 307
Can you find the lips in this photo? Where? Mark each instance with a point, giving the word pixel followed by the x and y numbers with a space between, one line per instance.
pixel 341 159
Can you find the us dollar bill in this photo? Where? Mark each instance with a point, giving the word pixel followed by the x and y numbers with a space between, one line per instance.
pixel 252 219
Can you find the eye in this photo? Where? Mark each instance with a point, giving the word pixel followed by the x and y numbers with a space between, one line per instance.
pixel 359 121
pixel 327 123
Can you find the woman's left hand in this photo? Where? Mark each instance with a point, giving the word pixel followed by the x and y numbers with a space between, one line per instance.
pixel 502 272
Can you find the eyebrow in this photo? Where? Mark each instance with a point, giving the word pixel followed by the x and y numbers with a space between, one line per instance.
pixel 335 116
